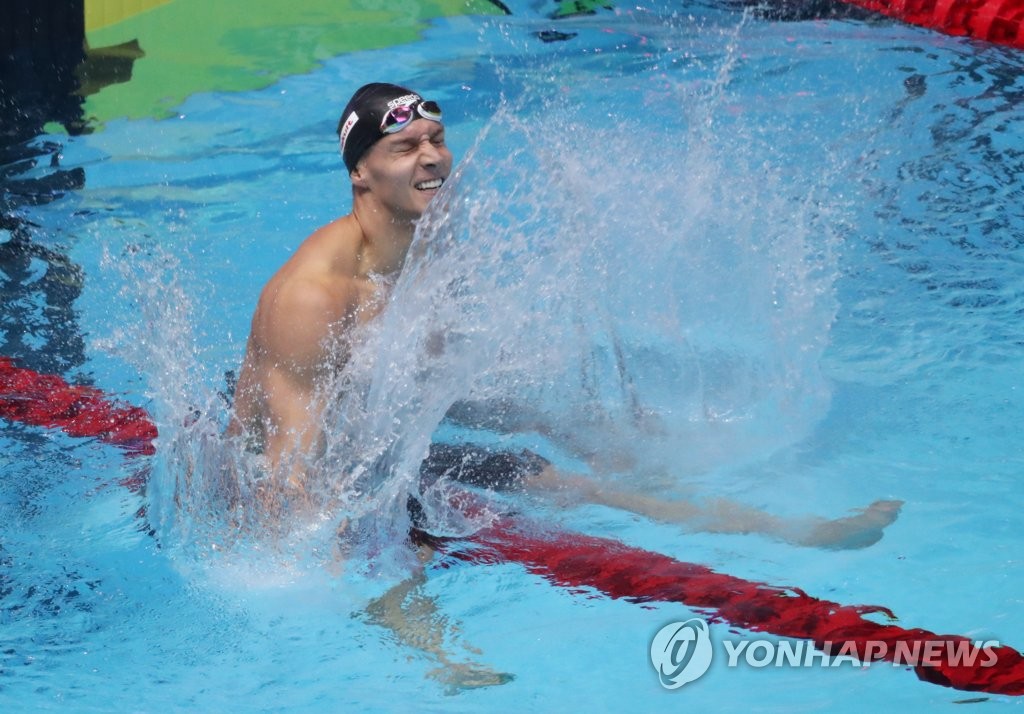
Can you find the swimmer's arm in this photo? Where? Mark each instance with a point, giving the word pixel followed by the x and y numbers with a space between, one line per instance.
pixel 296 328
pixel 247 400
pixel 293 428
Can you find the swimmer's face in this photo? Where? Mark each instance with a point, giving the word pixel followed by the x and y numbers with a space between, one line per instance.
pixel 405 170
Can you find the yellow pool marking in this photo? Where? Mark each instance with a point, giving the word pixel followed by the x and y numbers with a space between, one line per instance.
pixel 101 13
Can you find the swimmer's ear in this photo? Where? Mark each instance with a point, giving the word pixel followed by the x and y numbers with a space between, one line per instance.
pixel 356 176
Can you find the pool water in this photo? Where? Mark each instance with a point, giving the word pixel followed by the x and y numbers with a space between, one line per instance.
pixel 690 251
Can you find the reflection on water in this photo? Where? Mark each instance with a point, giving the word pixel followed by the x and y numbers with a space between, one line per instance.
pixel 37 281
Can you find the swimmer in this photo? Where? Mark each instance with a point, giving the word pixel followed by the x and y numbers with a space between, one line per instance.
pixel 392 141
pixel 393 145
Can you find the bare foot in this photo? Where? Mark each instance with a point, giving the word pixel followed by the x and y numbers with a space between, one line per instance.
pixel 457 677
pixel 852 532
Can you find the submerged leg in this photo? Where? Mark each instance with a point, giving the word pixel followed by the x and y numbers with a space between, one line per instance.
pixel 415 621
pixel 724 516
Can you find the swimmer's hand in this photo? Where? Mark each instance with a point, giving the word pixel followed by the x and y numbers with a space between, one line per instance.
pixel 458 677
pixel 859 531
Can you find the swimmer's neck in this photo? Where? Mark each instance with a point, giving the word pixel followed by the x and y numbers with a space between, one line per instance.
pixel 384 240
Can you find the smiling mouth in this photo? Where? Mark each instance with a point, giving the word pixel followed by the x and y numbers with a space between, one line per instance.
pixel 430 185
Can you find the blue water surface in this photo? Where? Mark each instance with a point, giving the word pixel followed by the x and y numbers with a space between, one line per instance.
pixel 803 238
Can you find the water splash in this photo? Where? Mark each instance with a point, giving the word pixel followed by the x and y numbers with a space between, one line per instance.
pixel 161 344
pixel 623 274
pixel 640 295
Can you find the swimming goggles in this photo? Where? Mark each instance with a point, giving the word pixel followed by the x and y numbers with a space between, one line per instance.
pixel 399 117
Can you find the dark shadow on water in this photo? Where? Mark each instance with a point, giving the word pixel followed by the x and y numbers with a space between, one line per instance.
pixel 46 70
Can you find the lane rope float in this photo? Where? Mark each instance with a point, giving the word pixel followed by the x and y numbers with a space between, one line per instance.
pixel 997 21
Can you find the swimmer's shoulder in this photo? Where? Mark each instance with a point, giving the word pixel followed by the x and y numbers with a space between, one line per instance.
pixel 341 239
pixel 296 319
pixel 317 283
pixel 325 261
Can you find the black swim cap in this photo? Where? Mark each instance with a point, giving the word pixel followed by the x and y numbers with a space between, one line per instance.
pixel 359 126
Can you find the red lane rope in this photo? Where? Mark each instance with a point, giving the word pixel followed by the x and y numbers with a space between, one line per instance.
pixel 573 560
pixel 47 400
pixel 998 21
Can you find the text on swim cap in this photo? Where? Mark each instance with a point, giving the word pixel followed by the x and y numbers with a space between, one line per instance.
pixel 404 100
pixel 347 127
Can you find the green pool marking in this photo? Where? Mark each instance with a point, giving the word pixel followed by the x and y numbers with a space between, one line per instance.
pixel 580 7
pixel 190 46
